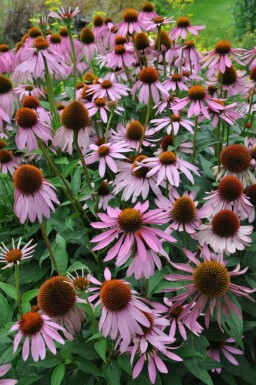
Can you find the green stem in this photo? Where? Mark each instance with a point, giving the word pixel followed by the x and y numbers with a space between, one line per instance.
pixel 146 120
pixel 194 140
pixel 164 61
pixel 127 74
pixel 250 109
pixel 108 125
pixel 17 283
pixel 81 157
pixel 94 321
pixel 50 93
pixel 48 245
pixel 73 56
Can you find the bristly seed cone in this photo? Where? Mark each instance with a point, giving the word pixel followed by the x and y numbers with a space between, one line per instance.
pixel 141 172
pixel 87 36
pixel 130 220
pixel 196 93
pixel 175 312
pixel 119 49
pixel 223 47
pixel 56 296
pixel 81 283
pixel 63 32
pixel 5 84
pixel 252 74
pixel 184 210
pixel 211 279
pixel 141 41
pixel 229 77
pixel 41 43
pixel 31 323
pixel 164 40
pixel 146 330
pixel 75 116
pixel 100 102
pixel 130 16
pixel 103 150
pixel 120 40
pixel 176 78
pixel 4 48
pixel 86 94
pixel 106 84
pixel 30 102
pixel 235 158
pixel 183 22
pixel 166 141
pixel 98 21
pixel 230 188
pixel 5 156
pixel 26 117
pixel 55 38
pixel 34 32
pixel 225 224
pixel 28 179
pixel 89 77
pixel 148 75
pixel 250 192
pixel 148 7
pixel 115 295
pixel 13 256
pixel 103 189
pixel 134 130
pixel 189 44
pixel 167 158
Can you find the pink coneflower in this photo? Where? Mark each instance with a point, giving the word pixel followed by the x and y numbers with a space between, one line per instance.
pixel 131 226
pixel 168 140
pixel 119 57
pixel 149 345
pixel 250 56
pixel 250 143
pixel 210 286
pixel 6 58
pixel 148 84
pixel 28 90
pixel 229 196
pixel 79 281
pixel 148 12
pixel 132 134
pixel 3 370
pixel 183 211
pixel 17 254
pixel 3 118
pixel 220 58
pixel 189 56
pixel 33 103
pixel 104 195
pixel 227 114
pixel 104 88
pixel 130 23
pixel 57 299
pixel 8 99
pixel 33 195
pixel 223 347
pixel 102 105
pixel 63 14
pixel 65 41
pixel 55 41
pixel 224 233
pixel 134 183
pixel 235 161
pixel 173 124
pixel 175 82
pixel 99 28
pixel 75 120
pixel 167 167
pixel 142 268
pixel 39 332
pixel 122 314
pixel 105 154
pixel 198 99
pixel 88 46
pixel 162 106
pixel 250 193
pixel 33 63
pixel 179 320
pixel 30 127
pixel 8 163
pixel 157 22
pixel 183 27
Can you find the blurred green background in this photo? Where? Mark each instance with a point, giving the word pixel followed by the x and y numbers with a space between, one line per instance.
pixel 234 20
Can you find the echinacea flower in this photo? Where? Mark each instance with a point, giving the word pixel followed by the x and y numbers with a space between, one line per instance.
pixel 104 88
pixel 148 84
pixel 229 196
pixel 88 46
pixel 175 82
pixel 250 143
pixel 33 103
pixel 75 120
pixel 250 193
pixel 98 28
pixel 56 43
pixel 104 195
pixel 33 195
pixel 235 161
pixel 173 124
pixel 58 300
pixel 3 370
pixel 6 59
pixel 224 233
pixel 17 254
pixel 79 281
pixel 169 140
pixel 8 99
pixel 157 22
pixel 167 167
pixel 208 286
pixel 223 348
pixel 118 58
pixel 30 127
pixel 8 162
pixel 183 27
pixel 132 133
pixel 148 12
pixel 106 155
pixel 250 56
pixel 39 332
pixel 220 58
pixel 3 118
pixel 122 314
pixel 198 99
pixel 183 211
pixel 134 183
pixel 65 15
pixel 228 114
pixel 130 23
pixel 28 90
pixel 132 227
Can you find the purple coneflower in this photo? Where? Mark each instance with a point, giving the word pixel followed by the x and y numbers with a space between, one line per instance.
pixel 223 347
pixel 148 12
pixel 17 254
pixel 8 163
pixel 130 23
pixel 183 27
pixel 6 59
pixel 28 90
pixel 63 14
pixel 173 123
pixel 88 46
pixel 175 82
pixel 8 99
pixel 104 88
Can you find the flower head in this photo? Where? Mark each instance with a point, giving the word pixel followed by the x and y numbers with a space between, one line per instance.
pixel 16 254
pixel 223 348
pixel 183 27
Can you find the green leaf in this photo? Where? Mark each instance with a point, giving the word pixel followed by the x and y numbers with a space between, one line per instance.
pixel 196 368
pixel 88 367
pixel 9 290
pixel 60 253
pixel 5 312
pixel 69 168
pixel 101 348
pixel 58 374
pixel 124 363
pixel 233 325
pixel 29 295
pixel 112 373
